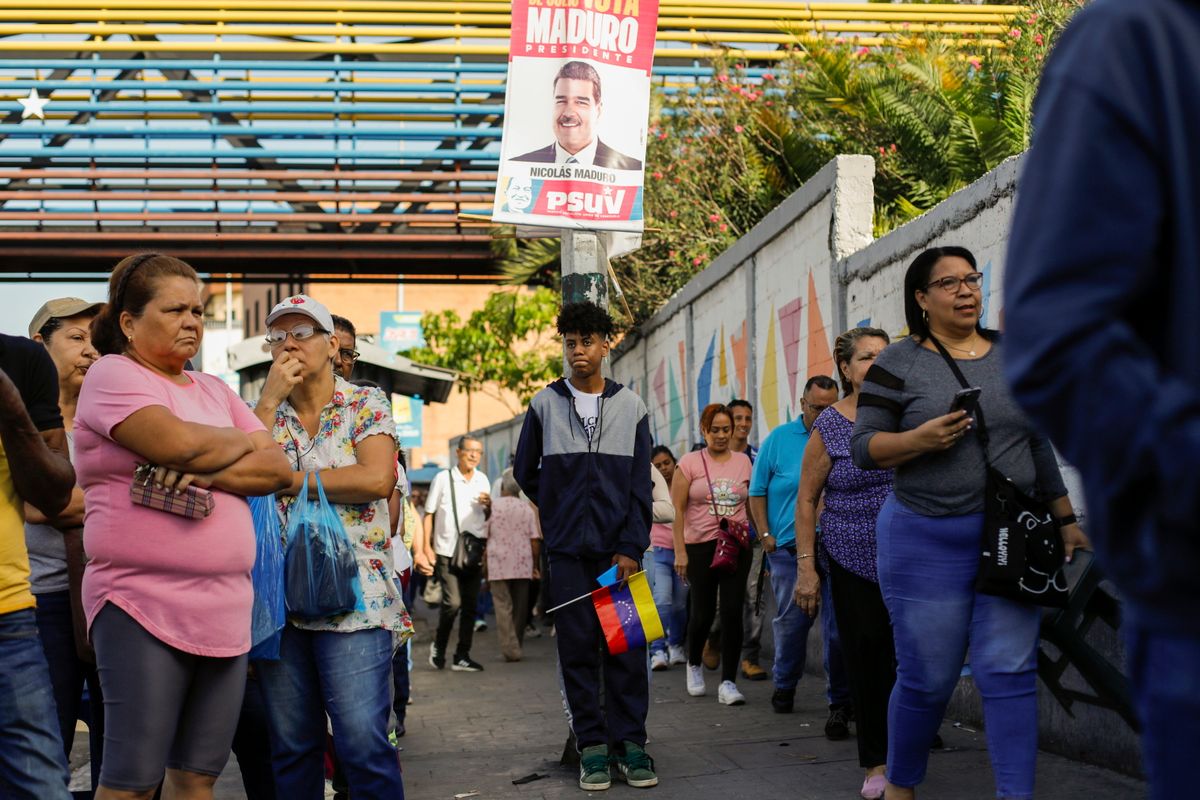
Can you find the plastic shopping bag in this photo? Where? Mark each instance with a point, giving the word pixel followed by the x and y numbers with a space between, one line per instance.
pixel 321 573
pixel 269 614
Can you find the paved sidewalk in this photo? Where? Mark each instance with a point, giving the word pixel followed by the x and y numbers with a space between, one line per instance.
pixel 476 733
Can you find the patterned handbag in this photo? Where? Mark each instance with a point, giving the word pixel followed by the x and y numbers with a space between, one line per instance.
pixel 193 502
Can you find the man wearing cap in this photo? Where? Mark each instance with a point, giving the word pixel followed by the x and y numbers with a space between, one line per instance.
pixel 55 544
pixel 34 469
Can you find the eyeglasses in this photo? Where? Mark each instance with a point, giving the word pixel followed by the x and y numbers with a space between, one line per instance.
pixel 349 355
pixel 950 284
pixel 277 336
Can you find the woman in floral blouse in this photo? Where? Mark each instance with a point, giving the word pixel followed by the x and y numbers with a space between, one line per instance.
pixel 341 665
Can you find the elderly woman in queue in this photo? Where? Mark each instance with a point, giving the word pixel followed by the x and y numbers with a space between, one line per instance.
pixel 513 559
pixel 167 598
pixel 711 485
pixel 339 666
pixel 930 530
pixel 63 327
pixel 853 498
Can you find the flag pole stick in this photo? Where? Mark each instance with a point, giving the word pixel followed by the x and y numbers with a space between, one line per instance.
pixel 563 605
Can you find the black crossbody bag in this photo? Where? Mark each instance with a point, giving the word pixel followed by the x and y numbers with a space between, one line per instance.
pixel 469 549
pixel 1022 555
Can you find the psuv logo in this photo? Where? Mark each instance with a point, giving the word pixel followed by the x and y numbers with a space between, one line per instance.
pixel 603 204
pixel 589 200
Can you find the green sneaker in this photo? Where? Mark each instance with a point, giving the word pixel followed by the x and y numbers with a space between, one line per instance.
pixel 593 768
pixel 636 768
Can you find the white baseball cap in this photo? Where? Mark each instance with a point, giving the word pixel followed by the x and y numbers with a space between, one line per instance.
pixel 303 304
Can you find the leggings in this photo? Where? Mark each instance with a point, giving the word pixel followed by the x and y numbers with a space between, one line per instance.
pixel 870 657
pixel 705 585
pixel 162 707
pixel 927 569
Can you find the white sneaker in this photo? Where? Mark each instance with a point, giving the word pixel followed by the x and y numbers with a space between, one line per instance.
pixel 728 694
pixel 659 661
pixel 677 654
pixel 695 680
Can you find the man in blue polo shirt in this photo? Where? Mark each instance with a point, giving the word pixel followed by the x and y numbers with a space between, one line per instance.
pixel 773 487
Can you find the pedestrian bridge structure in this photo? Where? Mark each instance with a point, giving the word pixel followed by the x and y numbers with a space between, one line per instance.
pixel 337 138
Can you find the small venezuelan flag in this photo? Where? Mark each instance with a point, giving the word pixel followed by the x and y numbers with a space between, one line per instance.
pixel 627 614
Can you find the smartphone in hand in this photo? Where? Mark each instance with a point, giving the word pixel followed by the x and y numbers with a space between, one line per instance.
pixel 966 400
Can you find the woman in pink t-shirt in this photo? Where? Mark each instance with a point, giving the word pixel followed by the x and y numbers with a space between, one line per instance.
pixel 710 485
pixel 167 598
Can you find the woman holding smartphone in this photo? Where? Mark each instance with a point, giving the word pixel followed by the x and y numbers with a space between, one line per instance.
pixel 929 530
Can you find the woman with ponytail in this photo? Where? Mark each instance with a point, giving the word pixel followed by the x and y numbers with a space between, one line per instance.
pixel 167 598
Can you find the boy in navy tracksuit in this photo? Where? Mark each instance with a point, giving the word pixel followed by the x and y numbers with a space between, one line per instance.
pixel 584 461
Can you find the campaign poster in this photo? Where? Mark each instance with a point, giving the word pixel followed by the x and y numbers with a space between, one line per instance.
pixel 575 114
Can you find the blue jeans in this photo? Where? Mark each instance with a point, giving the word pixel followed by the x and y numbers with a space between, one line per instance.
pixel 837 683
pixel 670 597
pixel 32 762
pixel 349 677
pixel 1164 673
pixel 927 569
pixel 791 625
pixel 68 674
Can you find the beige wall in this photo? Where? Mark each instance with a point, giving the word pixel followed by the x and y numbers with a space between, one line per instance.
pixel 361 304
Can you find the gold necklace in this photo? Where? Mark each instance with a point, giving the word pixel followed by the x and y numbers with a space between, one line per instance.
pixel 969 349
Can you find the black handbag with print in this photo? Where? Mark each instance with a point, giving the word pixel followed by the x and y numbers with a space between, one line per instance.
pixel 1022 553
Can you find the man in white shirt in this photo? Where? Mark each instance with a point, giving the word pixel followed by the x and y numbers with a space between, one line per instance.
pixel 463 488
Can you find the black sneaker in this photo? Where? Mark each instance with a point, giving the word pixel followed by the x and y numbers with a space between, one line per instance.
pixel 465 664
pixel 436 659
pixel 837 727
pixel 783 701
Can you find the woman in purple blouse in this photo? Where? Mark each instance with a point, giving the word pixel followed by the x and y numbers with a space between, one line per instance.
pixel 852 498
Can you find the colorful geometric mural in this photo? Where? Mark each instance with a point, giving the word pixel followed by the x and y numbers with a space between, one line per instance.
pixel 820 359
pixel 789 328
pixel 738 344
pixel 705 375
pixel 769 391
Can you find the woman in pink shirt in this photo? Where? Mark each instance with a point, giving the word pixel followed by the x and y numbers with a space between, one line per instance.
pixel 167 598
pixel 711 485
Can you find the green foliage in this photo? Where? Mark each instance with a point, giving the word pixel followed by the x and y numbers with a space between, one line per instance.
pixel 936 111
pixel 506 345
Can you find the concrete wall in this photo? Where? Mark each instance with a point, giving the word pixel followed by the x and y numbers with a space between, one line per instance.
pixel 761 319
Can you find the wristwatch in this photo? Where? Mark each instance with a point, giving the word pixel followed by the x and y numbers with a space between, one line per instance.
pixel 764 534
pixel 1069 519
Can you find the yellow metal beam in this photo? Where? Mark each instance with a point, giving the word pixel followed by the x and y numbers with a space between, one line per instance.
pixel 750 19
pixel 393 32
pixel 499 51
pixel 667 7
